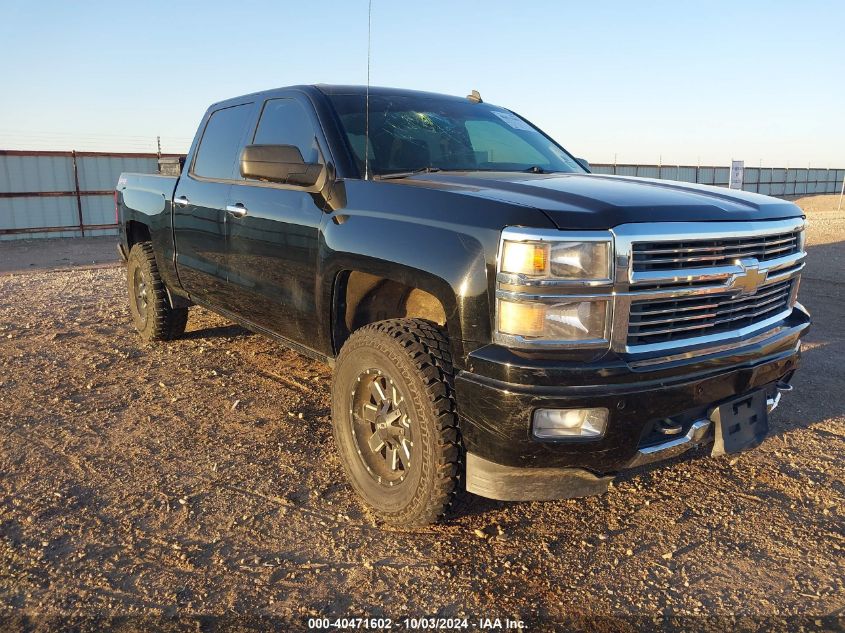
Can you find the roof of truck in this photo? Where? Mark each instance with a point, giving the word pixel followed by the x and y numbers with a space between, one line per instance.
pixel 378 90
pixel 338 89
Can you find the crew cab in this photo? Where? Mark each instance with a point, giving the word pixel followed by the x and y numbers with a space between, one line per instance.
pixel 498 318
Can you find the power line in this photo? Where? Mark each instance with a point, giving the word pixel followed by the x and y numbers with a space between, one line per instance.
pixel 78 133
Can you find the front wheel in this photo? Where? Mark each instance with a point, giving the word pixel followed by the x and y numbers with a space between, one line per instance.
pixel 394 420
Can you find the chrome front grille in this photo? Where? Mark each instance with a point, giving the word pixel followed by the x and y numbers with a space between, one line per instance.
pixel 697 285
pixel 696 253
pixel 676 318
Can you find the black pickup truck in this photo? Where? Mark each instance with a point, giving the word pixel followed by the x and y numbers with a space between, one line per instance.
pixel 497 317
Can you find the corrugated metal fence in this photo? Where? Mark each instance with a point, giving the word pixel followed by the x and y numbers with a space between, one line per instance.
pixel 62 194
pixel 771 181
pixel 69 194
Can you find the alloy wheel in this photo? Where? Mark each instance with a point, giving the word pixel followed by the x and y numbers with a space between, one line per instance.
pixel 381 427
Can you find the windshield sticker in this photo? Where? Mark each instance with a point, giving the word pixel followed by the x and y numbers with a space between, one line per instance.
pixel 511 119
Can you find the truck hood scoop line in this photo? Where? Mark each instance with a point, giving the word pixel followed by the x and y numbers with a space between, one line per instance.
pixel 589 201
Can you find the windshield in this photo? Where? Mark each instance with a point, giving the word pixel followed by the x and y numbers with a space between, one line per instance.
pixel 415 133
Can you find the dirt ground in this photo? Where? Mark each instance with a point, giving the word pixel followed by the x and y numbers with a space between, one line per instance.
pixel 194 485
pixel 27 255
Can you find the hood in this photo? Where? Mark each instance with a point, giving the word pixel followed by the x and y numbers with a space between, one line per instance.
pixel 591 201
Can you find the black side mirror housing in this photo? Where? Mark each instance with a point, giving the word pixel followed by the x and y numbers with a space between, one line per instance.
pixel 583 162
pixel 279 163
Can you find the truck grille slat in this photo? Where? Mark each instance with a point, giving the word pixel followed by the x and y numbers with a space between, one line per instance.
pixel 658 251
pixel 780 251
pixel 663 311
pixel 713 323
pixel 708 302
pixel 690 312
pixel 679 255
pixel 707 315
pixel 657 320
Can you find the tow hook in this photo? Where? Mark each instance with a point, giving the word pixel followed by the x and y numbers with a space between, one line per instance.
pixel 668 426
pixel 782 387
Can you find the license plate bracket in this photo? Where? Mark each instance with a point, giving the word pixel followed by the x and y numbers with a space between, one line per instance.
pixel 740 424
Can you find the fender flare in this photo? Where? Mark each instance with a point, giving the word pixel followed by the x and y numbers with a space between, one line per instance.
pixel 447 264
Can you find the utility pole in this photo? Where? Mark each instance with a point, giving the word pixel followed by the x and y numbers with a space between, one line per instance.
pixel 158 144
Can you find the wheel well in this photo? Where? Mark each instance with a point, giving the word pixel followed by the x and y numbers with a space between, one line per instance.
pixel 362 298
pixel 136 232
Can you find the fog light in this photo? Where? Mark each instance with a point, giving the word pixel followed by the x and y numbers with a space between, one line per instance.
pixel 569 423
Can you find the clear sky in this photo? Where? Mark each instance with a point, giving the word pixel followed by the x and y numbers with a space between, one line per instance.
pixel 680 82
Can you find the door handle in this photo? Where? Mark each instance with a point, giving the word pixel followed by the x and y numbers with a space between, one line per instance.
pixel 181 201
pixel 236 210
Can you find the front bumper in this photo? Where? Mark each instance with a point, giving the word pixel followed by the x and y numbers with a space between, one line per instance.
pixel 499 391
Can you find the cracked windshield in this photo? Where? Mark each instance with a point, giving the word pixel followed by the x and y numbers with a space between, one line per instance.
pixel 420 134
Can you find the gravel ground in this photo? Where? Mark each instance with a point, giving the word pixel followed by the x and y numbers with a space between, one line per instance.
pixel 17 256
pixel 168 484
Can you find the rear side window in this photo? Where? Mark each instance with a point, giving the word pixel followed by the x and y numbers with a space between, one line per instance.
pixel 221 142
pixel 286 122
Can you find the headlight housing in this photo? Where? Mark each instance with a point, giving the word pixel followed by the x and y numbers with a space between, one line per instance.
pixel 586 261
pixel 569 320
pixel 554 289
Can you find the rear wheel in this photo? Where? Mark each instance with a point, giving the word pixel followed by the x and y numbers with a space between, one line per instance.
pixel 152 314
pixel 393 413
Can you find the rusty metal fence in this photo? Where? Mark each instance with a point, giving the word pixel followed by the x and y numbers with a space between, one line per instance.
pixel 69 194
pixel 62 194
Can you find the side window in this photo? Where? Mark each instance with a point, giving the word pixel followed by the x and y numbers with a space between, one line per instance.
pixel 286 122
pixel 494 143
pixel 221 142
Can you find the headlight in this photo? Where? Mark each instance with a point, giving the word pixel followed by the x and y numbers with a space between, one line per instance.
pixel 525 258
pixel 576 320
pixel 580 260
pixel 554 288
pixel 560 260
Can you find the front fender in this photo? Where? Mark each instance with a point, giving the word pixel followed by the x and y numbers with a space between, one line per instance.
pixel 450 265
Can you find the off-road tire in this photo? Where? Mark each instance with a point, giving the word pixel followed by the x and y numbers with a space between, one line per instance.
pixel 415 353
pixel 160 321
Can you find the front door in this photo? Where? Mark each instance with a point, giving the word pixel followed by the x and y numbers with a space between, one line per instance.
pixel 272 234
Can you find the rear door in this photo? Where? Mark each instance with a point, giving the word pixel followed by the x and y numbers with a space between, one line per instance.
pixel 272 241
pixel 199 206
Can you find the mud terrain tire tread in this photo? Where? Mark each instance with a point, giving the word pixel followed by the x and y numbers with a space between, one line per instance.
pixel 164 322
pixel 420 351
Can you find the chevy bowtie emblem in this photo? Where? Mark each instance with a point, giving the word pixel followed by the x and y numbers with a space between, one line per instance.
pixel 751 277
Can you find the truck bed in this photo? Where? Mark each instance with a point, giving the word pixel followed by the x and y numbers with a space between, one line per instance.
pixel 145 194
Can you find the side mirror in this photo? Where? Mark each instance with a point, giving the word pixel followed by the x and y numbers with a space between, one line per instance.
pixel 279 163
pixel 583 162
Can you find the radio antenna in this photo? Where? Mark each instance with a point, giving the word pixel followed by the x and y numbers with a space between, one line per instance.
pixel 367 98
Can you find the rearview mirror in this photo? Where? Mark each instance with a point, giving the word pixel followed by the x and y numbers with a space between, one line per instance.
pixel 583 162
pixel 279 163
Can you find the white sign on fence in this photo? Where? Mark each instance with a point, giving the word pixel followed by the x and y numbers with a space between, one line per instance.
pixel 737 169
